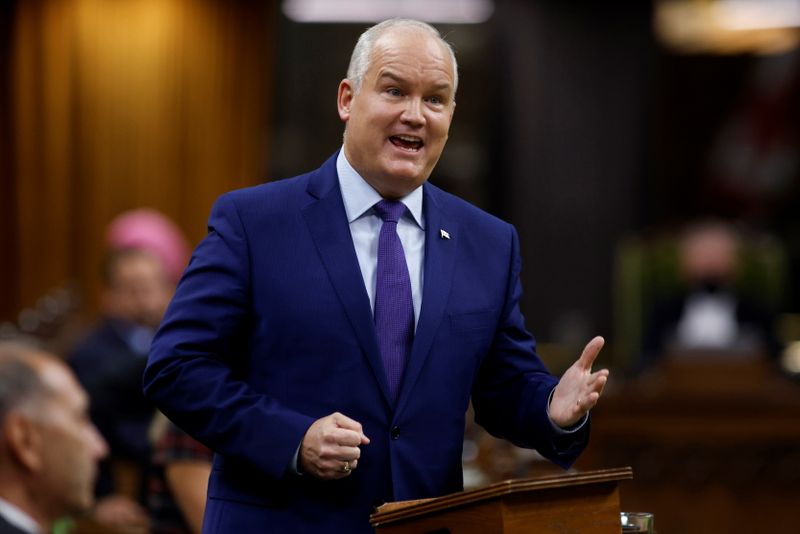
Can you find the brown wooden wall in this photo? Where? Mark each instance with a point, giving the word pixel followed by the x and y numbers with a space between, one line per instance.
pixel 113 105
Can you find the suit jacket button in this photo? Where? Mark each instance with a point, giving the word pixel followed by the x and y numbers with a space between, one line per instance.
pixel 395 432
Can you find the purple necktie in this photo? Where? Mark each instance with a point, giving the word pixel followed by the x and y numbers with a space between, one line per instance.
pixel 394 309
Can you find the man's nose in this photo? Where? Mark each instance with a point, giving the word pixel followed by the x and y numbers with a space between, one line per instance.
pixel 412 114
pixel 97 443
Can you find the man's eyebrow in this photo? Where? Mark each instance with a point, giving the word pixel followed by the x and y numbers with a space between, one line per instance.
pixel 441 86
pixel 391 75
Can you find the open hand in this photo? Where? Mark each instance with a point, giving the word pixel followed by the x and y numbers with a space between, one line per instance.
pixel 579 388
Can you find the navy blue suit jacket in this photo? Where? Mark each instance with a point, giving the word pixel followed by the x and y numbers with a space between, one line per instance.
pixel 271 328
pixel 8 528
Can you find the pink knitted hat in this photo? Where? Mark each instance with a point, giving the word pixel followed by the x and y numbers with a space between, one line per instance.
pixel 150 230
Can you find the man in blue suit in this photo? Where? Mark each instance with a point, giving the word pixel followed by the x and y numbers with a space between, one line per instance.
pixel 330 374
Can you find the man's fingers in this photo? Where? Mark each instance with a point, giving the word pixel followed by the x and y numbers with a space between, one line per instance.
pixel 344 454
pixel 596 383
pixel 602 379
pixel 342 421
pixel 336 464
pixel 590 401
pixel 338 468
pixel 590 352
pixel 341 436
pixel 599 378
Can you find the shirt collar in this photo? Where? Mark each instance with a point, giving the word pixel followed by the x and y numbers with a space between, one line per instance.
pixel 18 518
pixel 359 196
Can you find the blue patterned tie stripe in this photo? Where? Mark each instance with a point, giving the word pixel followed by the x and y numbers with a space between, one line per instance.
pixel 394 307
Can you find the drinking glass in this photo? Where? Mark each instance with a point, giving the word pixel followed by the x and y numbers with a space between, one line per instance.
pixel 637 522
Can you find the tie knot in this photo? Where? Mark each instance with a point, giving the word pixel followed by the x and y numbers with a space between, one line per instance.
pixel 389 210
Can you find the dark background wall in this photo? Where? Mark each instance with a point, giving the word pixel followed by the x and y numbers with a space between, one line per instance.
pixel 574 90
pixel 573 122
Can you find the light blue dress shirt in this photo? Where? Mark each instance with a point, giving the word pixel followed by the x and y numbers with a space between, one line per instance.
pixel 16 517
pixel 365 226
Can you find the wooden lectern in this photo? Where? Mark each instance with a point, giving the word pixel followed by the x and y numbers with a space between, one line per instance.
pixel 585 503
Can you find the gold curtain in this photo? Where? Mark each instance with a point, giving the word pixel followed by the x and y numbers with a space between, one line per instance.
pixel 118 104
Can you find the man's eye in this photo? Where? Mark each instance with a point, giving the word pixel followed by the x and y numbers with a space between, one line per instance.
pixel 394 91
pixel 435 100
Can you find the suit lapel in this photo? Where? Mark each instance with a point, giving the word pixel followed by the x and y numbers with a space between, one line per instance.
pixel 440 254
pixel 327 222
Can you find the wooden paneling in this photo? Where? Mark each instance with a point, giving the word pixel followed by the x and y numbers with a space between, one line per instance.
pixel 125 104
pixel 8 218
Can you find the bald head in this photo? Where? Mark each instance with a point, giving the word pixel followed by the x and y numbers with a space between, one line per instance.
pixel 20 375
pixel 362 53
pixel 709 252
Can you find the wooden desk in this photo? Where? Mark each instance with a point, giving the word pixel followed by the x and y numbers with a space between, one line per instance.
pixel 579 503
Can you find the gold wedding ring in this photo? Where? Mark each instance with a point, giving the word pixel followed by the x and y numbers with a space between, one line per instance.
pixel 346 467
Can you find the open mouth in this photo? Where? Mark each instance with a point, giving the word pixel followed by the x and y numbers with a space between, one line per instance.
pixel 407 142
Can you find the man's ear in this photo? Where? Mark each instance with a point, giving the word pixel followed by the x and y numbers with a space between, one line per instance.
pixel 345 99
pixel 23 440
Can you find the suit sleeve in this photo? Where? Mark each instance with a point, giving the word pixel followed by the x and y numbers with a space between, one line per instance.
pixel 197 370
pixel 513 387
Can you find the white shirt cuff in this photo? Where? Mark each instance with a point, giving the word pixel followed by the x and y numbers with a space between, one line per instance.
pixel 574 428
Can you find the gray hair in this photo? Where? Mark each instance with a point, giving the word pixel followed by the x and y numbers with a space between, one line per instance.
pixel 362 53
pixel 20 382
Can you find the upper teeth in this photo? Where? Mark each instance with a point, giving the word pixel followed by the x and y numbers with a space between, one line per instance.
pixel 409 138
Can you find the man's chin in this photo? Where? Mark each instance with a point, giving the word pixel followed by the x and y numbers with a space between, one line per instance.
pixel 411 176
pixel 399 188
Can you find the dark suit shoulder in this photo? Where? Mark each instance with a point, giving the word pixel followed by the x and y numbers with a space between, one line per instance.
pixel 256 208
pixel 282 196
pixel 8 528
pixel 471 218
pixel 457 206
pixel 270 195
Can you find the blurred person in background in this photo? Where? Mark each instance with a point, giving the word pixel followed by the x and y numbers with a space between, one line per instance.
pixel 49 447
pixel 709 312
pixel 176 488
pixel 145 255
